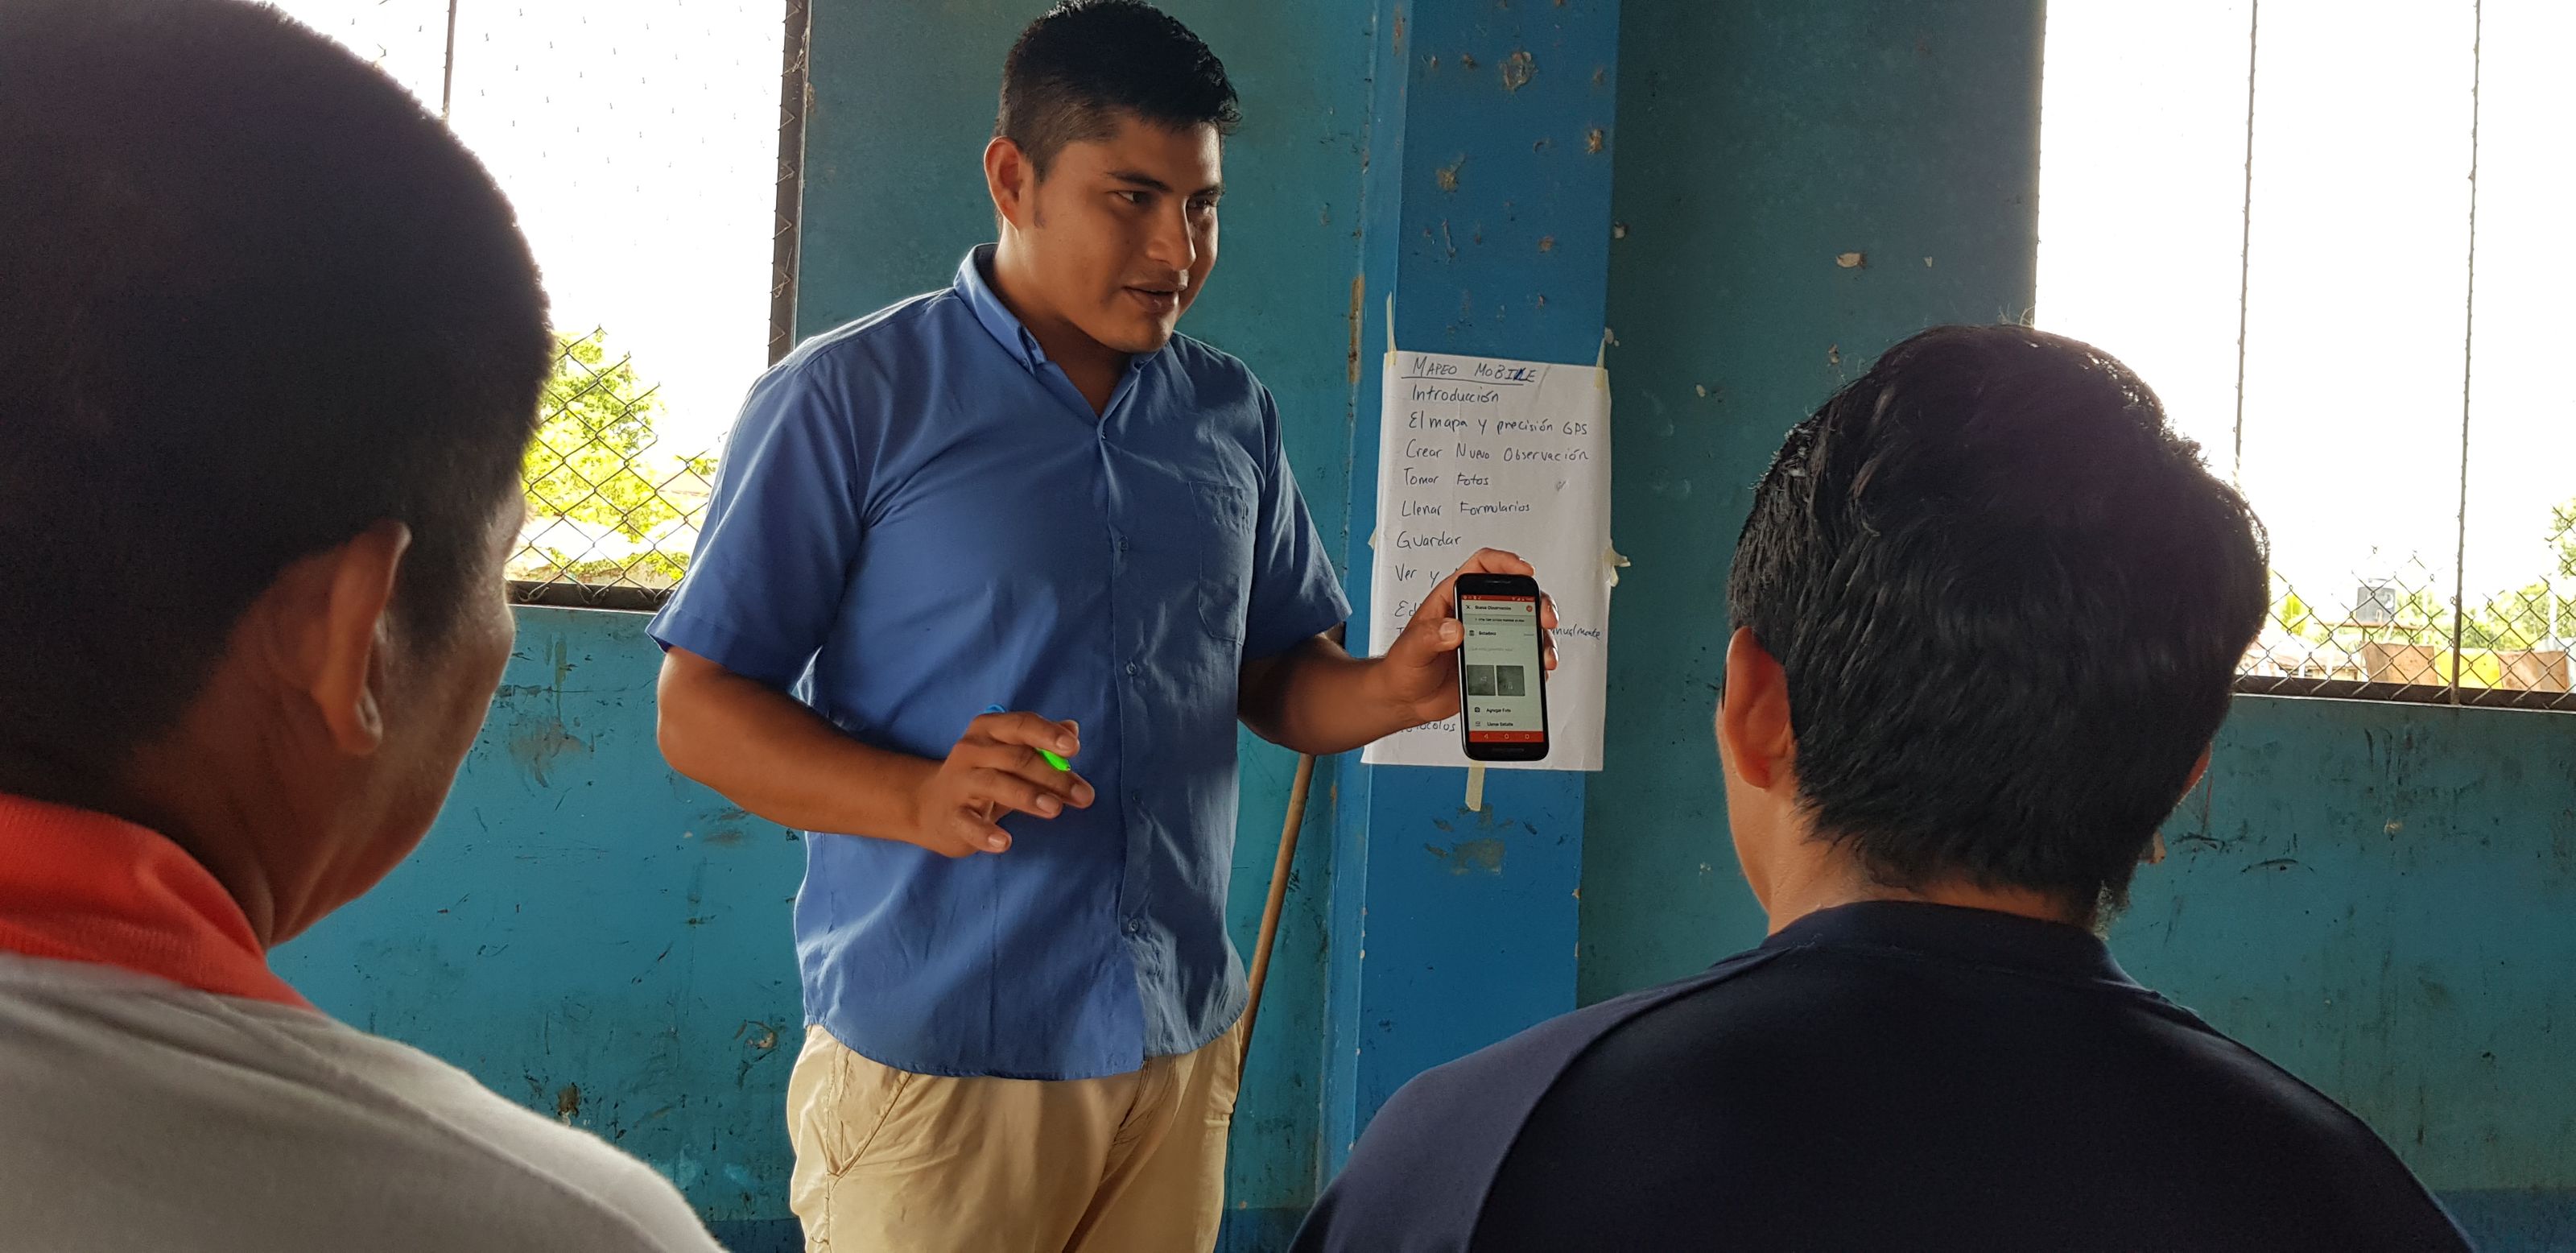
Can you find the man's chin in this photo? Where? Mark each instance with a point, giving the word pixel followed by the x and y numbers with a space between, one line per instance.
pixel 1138 341
pixel 1132 331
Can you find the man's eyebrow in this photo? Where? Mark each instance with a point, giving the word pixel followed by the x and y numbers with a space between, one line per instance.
pixel 1147 181
pixel 1150 183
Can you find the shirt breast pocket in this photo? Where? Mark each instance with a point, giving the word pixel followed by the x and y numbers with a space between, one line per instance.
pixel 1225 558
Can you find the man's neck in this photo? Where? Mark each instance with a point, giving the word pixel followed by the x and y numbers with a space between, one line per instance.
pixel 1831 881
pixel 1094 367
pixel 216 788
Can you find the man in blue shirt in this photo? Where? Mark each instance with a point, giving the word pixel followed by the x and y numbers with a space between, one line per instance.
pixel 1988 610
pixel 1026 491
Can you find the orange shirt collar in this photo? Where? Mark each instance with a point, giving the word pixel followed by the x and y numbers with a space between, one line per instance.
pixel 85 887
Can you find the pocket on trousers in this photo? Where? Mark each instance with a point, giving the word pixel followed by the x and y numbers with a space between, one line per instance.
pixel 851 1105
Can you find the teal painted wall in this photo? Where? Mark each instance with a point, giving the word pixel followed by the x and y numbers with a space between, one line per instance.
pixel 2382 898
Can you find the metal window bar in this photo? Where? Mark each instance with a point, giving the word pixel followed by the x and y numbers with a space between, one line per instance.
pixel 795 100
pixel 2398 637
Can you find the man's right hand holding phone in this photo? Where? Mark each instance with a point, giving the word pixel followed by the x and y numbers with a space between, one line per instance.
pixel 1420 669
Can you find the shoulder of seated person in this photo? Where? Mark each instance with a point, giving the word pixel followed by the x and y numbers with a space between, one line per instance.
pixel 1558 1040
pixel 604 1188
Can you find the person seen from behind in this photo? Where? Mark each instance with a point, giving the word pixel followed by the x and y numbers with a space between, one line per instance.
pixel 1987 613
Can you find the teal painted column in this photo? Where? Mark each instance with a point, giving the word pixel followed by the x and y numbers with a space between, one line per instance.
pixel 1486 215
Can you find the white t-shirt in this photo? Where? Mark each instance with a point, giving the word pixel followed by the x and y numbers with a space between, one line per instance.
pixel 139 1115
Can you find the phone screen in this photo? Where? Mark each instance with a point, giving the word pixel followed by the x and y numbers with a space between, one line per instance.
pixel 1498 679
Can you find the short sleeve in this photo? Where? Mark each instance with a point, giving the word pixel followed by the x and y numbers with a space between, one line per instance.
pixel 1295 592
pixel 781 532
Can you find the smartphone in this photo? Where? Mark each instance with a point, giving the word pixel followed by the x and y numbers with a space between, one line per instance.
pixel 1502 685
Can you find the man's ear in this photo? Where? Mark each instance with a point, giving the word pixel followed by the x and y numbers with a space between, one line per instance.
pixel 1010 178
pixel 1754 731
pixel 341 604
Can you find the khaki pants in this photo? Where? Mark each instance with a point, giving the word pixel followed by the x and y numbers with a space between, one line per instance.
pixel 893 1162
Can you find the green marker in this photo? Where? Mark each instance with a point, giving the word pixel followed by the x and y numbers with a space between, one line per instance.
pixel 1051 759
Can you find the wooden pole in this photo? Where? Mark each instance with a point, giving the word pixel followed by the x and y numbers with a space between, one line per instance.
pixel 1278 896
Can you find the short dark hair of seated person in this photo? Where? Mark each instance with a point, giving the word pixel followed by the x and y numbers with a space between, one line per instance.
pixel 270 352
pixel 1988 609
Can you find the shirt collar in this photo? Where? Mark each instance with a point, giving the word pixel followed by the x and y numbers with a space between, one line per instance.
pixel 1004 326
pixel 1980 936
pixel 998 320
pixel 85 887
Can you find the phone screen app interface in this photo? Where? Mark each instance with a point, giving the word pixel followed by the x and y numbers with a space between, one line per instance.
pixel 1501 670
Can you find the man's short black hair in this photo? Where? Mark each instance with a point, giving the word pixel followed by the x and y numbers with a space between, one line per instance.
pixel 1076 71
pixel 253 300
pixel 2010 603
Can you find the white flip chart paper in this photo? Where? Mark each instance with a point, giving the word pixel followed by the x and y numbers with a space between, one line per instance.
pixel 1479 452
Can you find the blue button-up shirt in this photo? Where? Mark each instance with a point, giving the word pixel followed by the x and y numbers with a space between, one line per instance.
pixel 919 516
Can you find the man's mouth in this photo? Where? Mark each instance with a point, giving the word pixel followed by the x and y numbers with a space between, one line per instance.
pixel 1155 299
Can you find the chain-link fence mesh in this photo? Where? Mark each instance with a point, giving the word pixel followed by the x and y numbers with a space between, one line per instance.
pixel 2406 630
pixel 611 508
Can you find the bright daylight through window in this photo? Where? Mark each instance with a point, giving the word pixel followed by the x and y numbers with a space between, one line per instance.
pixel 2411 446
pixel 639 142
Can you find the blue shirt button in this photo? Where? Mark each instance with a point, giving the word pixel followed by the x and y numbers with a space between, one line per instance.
pixel 1131 667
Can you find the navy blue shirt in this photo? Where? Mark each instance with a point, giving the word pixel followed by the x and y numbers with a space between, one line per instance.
pixel 919 516
pixel 1879 1076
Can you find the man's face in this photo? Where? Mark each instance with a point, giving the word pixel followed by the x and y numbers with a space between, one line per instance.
pixel 1122 233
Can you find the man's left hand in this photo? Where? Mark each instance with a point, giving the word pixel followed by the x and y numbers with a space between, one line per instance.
pixel 1418 674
